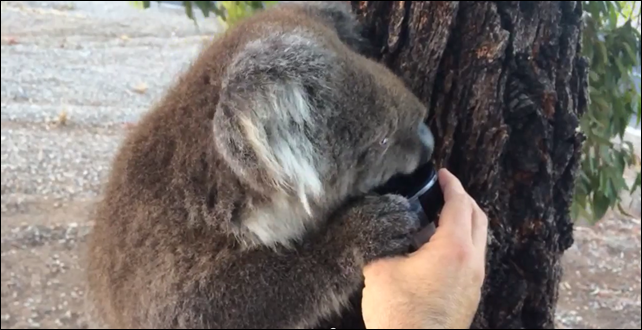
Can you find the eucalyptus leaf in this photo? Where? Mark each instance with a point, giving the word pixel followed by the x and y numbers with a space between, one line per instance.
pixel 629 50
pixel 205 7
pixel 140 4
pixel 188 9
pixel 639 113
pixel 611 49
pixel 637 184
pixel 623 211
pixel 601 204
pixel 613 16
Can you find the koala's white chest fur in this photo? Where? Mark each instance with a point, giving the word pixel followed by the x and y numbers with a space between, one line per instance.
pixel 281 222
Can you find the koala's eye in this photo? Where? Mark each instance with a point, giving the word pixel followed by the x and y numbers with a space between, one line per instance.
pixel 384 142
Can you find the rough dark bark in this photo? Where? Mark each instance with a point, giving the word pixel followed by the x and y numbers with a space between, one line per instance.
pixel 505 85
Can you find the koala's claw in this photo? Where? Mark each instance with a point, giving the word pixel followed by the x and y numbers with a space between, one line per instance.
pixel 384 226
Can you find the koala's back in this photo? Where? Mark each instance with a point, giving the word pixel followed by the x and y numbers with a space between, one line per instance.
pixel 165 215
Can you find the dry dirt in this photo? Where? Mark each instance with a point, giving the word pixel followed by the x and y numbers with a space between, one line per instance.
pixel 75 74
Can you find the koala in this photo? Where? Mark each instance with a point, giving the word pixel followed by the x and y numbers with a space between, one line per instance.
pixel 243 198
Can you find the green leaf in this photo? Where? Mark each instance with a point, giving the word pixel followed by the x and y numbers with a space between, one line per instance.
pixel 205 7
pixel 623 211
pixel 626 8
pixel 637 184
pixel 632 57
pixel 639 111
pixel 603 181
pixel 255 5
pixel 188 9
pixel 236 10
pixel 613 15
pixel 591 164
pixel 604 6
pixel 629 149
pixel 140 4
pixel 620 66
pixel 610 192
pixel 603 53
pixel 217 11
pixel 602 103
pixel 600 206
pixel 600 138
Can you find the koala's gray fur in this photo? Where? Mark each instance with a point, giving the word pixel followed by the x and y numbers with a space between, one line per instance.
pixel 242 199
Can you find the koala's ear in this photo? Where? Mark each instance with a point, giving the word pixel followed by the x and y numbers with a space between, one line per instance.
pixel 338 15
pixel 265 119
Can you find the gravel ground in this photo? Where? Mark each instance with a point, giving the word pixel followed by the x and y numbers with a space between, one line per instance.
pixel 75 74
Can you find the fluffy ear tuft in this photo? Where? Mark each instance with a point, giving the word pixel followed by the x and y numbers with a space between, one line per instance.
pixel 263 138
pixel 339 16
pixel 265 119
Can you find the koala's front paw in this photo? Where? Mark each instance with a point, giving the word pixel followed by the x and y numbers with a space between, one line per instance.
pixel 384 226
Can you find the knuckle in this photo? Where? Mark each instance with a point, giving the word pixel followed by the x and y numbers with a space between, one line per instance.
pixel 479 275
pixel 481 215
pixel 483 218
pixel 470 202
pixel 462 198
pixel 462 254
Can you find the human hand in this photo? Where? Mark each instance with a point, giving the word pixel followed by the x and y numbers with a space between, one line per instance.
pixel 439 285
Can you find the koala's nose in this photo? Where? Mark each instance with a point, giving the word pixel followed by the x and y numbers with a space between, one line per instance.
pixel 427 143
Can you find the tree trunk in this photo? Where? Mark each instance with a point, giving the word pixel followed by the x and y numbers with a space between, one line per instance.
pixel 505 85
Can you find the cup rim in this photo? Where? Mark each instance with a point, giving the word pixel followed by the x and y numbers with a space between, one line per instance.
pixel 427 186
pixel 405 184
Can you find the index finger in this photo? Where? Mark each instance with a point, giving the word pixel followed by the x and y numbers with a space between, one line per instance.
pixel 457 214
pixel 480 230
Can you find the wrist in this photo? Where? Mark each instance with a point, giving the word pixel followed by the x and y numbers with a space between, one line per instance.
pixel 404 318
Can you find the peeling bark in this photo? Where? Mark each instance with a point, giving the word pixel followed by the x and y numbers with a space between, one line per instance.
pixel 505 85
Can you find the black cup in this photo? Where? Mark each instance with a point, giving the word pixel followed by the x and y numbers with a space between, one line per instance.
pixel 422 190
